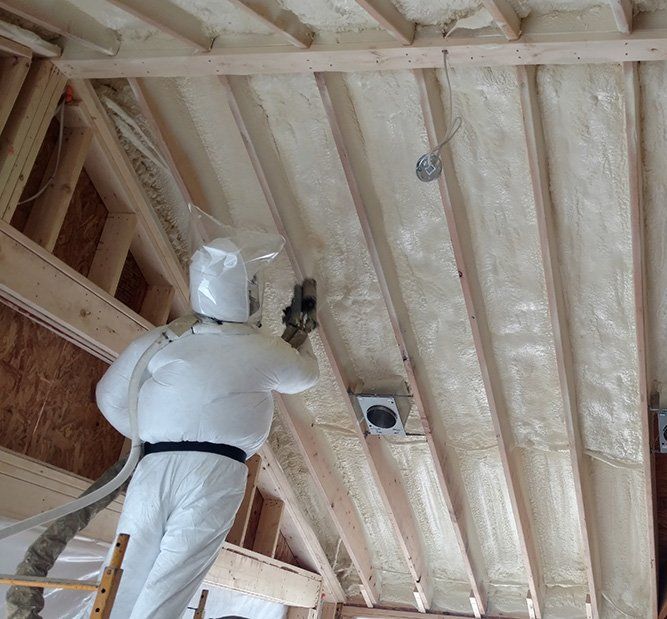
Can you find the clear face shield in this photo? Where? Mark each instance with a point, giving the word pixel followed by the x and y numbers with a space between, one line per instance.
pixel 226 268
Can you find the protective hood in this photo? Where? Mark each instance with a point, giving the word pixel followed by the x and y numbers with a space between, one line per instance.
pixel 226 280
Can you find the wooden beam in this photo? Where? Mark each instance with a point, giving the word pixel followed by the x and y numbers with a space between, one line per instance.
pixel 28 39
pixel 35 487
pixel 301 613
pixel 13 72
pixel 278 20
pixel 114 177
pixel 171 20
pixel 44 287
pixel 111 254
pixel 48 583
pixel 157 304
pixel 390 18
pixel 296 526
pixel 355 612
pixel 9 47
pixel 538 165
pixel 327 611
pixel 268 529
pixel 66 20
pixel 505 17
pixel 25 130
pixel 237 534
pixel 452 203
pixel 350 148
pixel 341 509
pixel 633 124
pixel 49 209
pixel 248 572
pixel 622 10
pixel 358 52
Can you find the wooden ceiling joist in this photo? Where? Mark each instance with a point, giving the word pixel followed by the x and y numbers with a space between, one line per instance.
pixel 9 47
pixel 171 20
pixel 66 20
pixel 633 134
pixel 647 41
pixel 340 505
pixel 538 164
pixel 279 20
pixel 278 484
pixel 505 17
pixel 349 146
pixel 622 11
pixel 390 18
pixel 452 202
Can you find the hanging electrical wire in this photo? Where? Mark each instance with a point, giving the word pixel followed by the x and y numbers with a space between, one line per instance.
pixel 60 110
pixel 429 165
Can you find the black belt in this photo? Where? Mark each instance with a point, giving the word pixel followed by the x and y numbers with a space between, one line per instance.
pixel 221 449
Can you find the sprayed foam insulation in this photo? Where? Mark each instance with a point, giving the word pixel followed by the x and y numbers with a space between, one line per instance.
pixel 388 113
pixel 582 109
pixel 331 15
pixel 158 183
pixel 492 169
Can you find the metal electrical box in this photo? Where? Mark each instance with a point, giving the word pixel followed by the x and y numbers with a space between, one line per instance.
pixel 383 414
pixel 662 429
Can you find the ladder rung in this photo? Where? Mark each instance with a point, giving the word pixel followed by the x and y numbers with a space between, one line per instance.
pixel 48 583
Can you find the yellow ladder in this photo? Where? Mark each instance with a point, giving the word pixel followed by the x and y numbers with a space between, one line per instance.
pixel 106 588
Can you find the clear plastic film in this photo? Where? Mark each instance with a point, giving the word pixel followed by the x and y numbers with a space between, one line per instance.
pixel 225 268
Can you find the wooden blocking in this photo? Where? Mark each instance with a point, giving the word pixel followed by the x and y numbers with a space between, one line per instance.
pixel 112 250
pixel 157 304
pixel 106 594
pixel 49 210
pixel 268 530
pixel 295 612
pixel 327 610
pixel 239 529
pixel 12 73
pixel 25 130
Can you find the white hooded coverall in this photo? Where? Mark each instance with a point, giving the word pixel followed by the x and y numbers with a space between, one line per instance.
pixel 212 385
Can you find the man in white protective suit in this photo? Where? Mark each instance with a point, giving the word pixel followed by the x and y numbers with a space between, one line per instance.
pixel 205 406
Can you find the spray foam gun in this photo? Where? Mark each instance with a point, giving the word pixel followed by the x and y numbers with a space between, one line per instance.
pixel 300 316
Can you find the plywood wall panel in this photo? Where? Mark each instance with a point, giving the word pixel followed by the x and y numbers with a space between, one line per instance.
pixel 132 286
pixel 47 403
pixel 82 228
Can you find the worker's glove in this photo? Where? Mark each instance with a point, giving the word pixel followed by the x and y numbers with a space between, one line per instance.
pixel 300 316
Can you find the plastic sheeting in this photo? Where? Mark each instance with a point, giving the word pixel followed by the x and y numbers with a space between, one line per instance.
pixel 83 559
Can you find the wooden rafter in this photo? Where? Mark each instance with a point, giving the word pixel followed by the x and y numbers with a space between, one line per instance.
pixel 259 55
pixel 505 17
pixel 341 508
pixel 279 20
pixel 364 198
pixel 459 233
pixel 390 18
pixel 9 47
pixel 277 484
pixel 171 20
pixel 632 98
pixel 622 10
pixel 538 164
pixel 66 20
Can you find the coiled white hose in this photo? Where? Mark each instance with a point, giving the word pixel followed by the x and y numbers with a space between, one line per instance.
pixel 124 473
